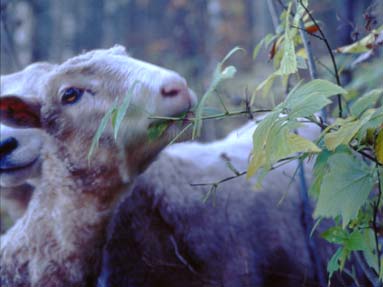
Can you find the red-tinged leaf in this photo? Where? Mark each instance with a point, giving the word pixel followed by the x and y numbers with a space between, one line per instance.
pixel 273 50
pixel 312 28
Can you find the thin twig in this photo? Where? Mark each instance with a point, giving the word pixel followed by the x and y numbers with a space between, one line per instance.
pixel 220 181
pixel 282 162
pixel 331 72
pixel 331 55
pixel 216 116
pixel 307 32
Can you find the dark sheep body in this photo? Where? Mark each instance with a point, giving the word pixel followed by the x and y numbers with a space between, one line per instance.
pixel 164 234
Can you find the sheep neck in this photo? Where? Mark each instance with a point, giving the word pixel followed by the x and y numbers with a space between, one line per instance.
pixel 58 241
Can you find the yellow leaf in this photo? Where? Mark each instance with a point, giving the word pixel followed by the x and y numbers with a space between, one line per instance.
pixel 257 160
pixel 379 147
pixel 302 53
pixel 363 45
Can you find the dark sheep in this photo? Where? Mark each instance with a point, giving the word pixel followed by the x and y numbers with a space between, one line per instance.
pixel 163 234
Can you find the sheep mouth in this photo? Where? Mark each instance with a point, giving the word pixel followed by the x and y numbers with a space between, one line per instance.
pixel 7 167
pixel 160 127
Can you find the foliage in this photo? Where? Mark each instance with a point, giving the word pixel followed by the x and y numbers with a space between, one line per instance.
pixel 348 170
pixel 347 175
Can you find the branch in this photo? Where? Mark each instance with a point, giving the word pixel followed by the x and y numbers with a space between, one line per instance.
pixel 331 55
pixel 307 32
pixel 238 174
pixel 216 116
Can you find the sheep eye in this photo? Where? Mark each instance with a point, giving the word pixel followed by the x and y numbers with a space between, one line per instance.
pixel 71 96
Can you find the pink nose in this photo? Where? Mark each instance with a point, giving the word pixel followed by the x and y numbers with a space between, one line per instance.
pixel 174 86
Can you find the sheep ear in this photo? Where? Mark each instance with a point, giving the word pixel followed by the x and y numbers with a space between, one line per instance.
pixel 20 112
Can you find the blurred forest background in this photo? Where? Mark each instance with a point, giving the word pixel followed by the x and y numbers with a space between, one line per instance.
pixel 187 36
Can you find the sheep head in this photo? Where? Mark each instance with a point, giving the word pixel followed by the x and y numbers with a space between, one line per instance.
pixel 76 95
pixel 20 148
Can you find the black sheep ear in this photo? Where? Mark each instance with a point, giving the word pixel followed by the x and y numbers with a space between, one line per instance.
pixel 20 112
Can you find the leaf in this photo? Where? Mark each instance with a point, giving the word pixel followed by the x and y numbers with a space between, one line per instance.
pixel 260 140
pixel 379 147
pixel 312 28
pixel 121 111
pixel 343 135
pixel 355 241
pixel 335 234
pixel 349 128
pixel 320 169
pixel 345 188
pixel 381 270
pixel 157 130
pixel 369 251
pixel 100 130
pixel 293 143
pixel 289 61
pixel 264 87
pixel 363 45
pixel 228 73
pixel 373 123
pixel 309 98
pixel 218 76
pixel 366 101
pixel 272 141
pixel 337 261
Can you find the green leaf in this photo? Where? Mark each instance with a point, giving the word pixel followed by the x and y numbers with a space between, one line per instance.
pixel 366 101
pixel 309 98
pixel 337 261
pixel 231 53
pixel 219 75
pixel 343 135
pixel 264 87
pixel 257 48
pixel 265 41
pixel 289 59
pixel 155 131
pixel 355 241
pixel 100 130
pixel 381 270
pixel 228 72
pixel 345 188
pixel 373 123
pixel 369 251
pixel 260 141
pixel 121 111
pixel 320 169
pixel 336 235
pixel 272 141
pixel 347 131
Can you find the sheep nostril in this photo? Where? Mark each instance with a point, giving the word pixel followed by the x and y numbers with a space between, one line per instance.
pixel 172 92
pixel 7 146
pixel 173 86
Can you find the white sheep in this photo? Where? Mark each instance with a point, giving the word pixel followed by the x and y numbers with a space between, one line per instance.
pixel 58 240
pixel 20 148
